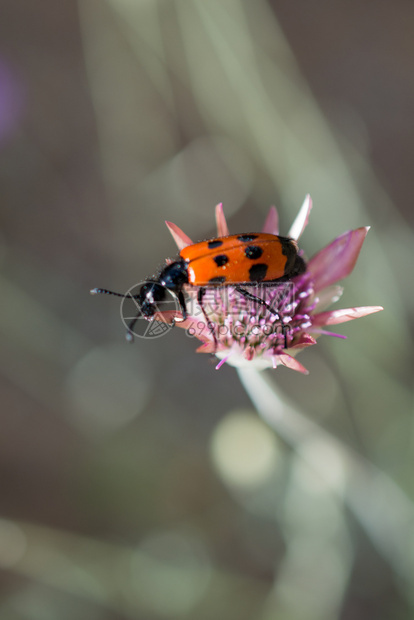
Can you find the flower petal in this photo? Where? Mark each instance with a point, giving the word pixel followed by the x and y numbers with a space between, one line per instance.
pixel 179 236
pixel 292 363
pixel 249 353
pixel 338 259
pixel 302 341
pixel 301 219
pixel 328 296
pixel 167 316
pixel 325 332
pixel 342 316
pixel 221 362
pixel 207 347
pixel 271 224
pixel 222 228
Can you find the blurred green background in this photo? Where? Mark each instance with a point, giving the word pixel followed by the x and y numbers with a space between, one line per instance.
pixel 136 481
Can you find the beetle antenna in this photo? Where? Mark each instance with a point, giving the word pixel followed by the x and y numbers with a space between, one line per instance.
pixel 130 334
pixel 104 291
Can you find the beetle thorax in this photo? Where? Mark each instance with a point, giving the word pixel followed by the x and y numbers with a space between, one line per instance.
pixel 174 276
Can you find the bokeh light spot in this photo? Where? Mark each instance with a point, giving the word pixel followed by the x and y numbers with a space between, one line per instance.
pixel 108 388
pixel 244 450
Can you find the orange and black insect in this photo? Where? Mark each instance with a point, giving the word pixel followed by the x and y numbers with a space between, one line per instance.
pixel 241 259
pixel 235 260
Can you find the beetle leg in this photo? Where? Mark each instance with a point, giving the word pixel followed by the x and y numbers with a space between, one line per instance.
pixel 256 299
pixel 285 329
pixel 210 325
pixel 130 334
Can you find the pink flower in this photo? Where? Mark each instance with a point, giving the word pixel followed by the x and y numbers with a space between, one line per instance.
pixel 247 332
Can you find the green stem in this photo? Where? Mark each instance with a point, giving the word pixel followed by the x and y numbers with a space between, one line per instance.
pixel 381 507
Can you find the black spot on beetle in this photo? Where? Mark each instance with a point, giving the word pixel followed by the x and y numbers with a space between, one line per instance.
pixel 287 246
pixel 246 238
pixel 289 249
pixel 215 243
pixel 253 252
pixel 295 265
pixel 258 272
pixel 221 260
pixel 217 280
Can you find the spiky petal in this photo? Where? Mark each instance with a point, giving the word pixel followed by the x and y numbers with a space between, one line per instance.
pixel 334 317
pixel 302 219
pixel 222 228
pixel 271 224
pixel 179 236
pixel 337 260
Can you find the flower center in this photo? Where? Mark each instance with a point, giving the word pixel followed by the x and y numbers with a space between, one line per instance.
pixel 260 318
